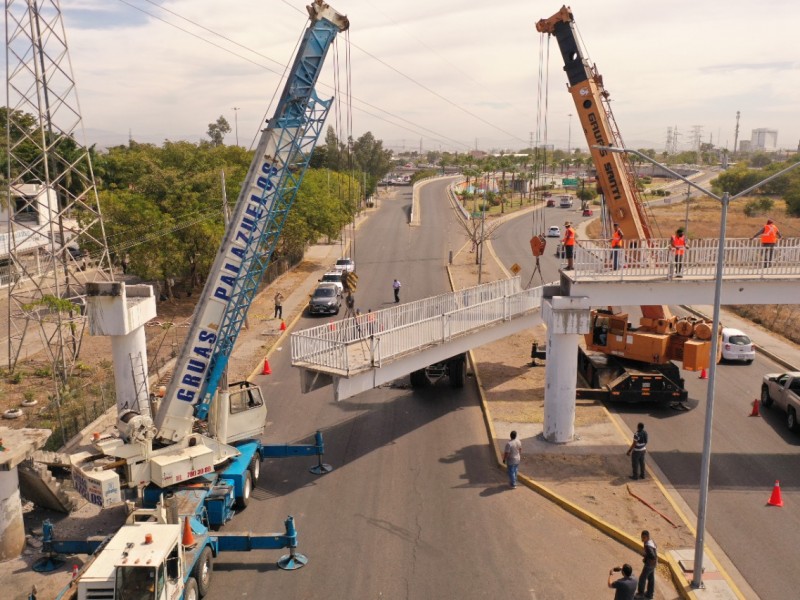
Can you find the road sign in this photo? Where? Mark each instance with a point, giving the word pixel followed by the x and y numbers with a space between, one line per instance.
pixel 350 281
pixel 515 269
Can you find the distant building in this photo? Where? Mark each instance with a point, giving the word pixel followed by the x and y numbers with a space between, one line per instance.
pixel 745 146
pixel 764 140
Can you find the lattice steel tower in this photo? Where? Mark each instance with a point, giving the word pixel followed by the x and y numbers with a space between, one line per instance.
pixel 53 240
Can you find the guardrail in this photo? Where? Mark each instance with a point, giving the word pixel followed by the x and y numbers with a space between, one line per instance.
pixel 656 259
pixel 393 332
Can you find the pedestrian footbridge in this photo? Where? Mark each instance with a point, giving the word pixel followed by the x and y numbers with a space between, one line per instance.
pixel 359 353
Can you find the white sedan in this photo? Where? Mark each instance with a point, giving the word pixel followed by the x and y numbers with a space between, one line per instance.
pixel 554 231
pixel 736 345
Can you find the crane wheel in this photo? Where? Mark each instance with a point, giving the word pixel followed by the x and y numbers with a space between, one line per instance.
pixel 255 467
pixel 418 378
pixel 202 571
pixel 246 492
pixel 190 590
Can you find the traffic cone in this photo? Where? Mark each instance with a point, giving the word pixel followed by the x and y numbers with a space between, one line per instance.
pixel 754 412
pixel 703 374
pixel 283 325
pixel 775 498
pixel 74 571
pixel 188 536
pixel 266 370
pixel 332 326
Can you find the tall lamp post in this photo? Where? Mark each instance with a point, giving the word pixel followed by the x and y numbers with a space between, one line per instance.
pixel 236 122
pixel 705 461
pixel 569 134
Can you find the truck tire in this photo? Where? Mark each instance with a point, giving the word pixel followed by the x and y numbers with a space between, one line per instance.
pixel 255 468
pixel 791 419
pixel 766 401
pixel 202 571
pixel 418 378
pixel 190 590
pixel 458 372
pixel 242 502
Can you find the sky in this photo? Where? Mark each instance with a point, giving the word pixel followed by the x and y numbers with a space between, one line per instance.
pixel 451 75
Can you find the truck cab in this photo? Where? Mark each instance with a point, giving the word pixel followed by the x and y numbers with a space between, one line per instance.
pixel 783 390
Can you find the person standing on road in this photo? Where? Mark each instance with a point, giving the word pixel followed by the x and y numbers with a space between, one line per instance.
pixel 569 244
pixel 649 563
pixel 278 306
pixel 678 244
pixel 625 586
pixel 769 237
pixel 637 452
pixel 511 458
pixel 616 245
pixel 396 288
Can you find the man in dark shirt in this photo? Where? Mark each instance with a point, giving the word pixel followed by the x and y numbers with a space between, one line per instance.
pixel 625 586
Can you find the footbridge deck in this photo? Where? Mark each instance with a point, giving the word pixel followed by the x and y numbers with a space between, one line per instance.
pixel 363 352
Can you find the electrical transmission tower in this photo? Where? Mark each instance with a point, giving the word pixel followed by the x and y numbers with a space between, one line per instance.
pixel 54 240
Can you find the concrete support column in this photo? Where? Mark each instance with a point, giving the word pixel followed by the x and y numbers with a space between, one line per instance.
pixel 12 529
pixel 566 318
pixel 16 445
pixel 130 370
pixel 121 312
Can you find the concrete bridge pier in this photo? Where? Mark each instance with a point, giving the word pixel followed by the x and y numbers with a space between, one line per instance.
pixel 121 312
pixel 16 445
pixel 566 318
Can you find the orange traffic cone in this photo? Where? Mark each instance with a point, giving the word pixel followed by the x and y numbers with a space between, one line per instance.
pixel 74 571
pixel 283 325
pixel 775 498
pixel 266 370
pixel 188 536
pixel 703 374
pixel 754 412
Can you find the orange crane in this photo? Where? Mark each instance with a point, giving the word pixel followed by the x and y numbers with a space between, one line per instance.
pixel 659 337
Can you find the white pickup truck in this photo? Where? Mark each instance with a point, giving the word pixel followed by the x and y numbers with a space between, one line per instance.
pixel 783 389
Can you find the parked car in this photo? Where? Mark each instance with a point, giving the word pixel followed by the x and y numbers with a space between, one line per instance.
pixel 554 231
pixel 345 265
pixel 737 346
pixel 335 278
pixel 326 300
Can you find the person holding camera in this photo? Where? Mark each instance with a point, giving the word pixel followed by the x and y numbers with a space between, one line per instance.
pixel 626 585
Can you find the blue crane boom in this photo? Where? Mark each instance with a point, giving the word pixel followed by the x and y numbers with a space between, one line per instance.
pixel 271 185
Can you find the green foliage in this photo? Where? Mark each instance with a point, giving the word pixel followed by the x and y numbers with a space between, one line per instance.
pixel 15 377
pixel 793 202
pixel 760 159
pixel 735 180
pixel 758 207
pixel 586 193
pixel 43 372
pixel 217 130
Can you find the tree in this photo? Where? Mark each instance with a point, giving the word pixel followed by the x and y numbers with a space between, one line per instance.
pixel 216 131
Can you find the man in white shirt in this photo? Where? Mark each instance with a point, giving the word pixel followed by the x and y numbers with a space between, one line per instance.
pixel 511 458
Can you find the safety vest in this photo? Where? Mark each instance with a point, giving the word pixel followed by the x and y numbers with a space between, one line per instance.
pixel 770 234
pixel 616 239
pixel 569 237
pixel 679 243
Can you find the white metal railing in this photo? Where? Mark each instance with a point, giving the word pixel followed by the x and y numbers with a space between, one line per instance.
pixel 387 334
pixel 655 258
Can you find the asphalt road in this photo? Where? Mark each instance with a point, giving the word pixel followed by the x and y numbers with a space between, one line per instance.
pixel 415 507
pixel 748 454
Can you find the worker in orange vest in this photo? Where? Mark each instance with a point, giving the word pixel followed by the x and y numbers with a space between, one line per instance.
pixel 616 245
pixel 769 237
pixel 569 244
pixel 678 244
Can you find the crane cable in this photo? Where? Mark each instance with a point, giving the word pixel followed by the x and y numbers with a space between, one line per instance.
pixel 538 241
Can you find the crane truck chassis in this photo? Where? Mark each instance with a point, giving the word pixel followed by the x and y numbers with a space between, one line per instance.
pixel 454 368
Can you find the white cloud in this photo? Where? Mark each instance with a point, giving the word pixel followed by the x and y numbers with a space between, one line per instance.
pixel 460 71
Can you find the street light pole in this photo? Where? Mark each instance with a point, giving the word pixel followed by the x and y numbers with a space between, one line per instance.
pixel 236 122
pixel 705 461
pixel 569 134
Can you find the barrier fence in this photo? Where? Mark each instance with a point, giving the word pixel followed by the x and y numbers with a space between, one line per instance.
pixel 389 333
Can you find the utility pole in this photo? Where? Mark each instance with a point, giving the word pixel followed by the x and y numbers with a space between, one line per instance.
pixel 736 134
pixel 569 134
pixel 236 122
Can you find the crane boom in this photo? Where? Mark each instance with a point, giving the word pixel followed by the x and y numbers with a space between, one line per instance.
pixel 280 162
pixel 660 337
pixel 614 171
